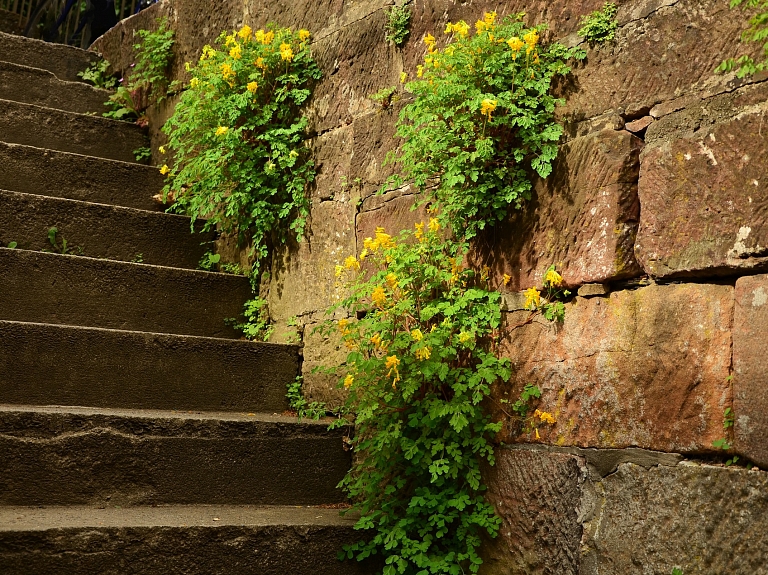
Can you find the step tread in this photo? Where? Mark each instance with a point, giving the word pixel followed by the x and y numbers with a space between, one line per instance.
pixel 64 61
pixel 53 129
pixel 41 87
pixel 69 175
pixel 104 231
pixel 17 518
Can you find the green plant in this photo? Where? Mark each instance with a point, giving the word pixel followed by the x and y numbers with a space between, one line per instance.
pixel 482 120
pixel 147 82
pixel 142 153
pixel 421 361
pixel 209 261
pixel 12 245
pixel 728 418
pixel 256 325
pixel 398 22
pixel 548 301
pixel 298 403
pixel 234 269
pixel 384 96
pixel 600 26
pixel 757 32
pixel 677 571
pixel 138 258
pixel 522 405
pixel 238 137
pixel 98 75
pixel 60 247
pixel 721 443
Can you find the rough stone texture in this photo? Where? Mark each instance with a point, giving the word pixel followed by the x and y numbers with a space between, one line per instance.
pixel 102 231
pixel 148 541
pixel 538 497
pixel 393 213
pixel 72 290
pixel 63 175
pixel 750 383
pixel 646 368
pixel 64 61
pixel 43 88
pixel 704 199
pixel 67 132
pixel 321 350
pixel 9 22
pixel 583 218
pixel 702 519
pixel 60 365
pixel 58 456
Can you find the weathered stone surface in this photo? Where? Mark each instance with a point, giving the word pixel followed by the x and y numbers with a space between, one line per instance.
pixel 322 351
pixel 701 519
pixel 750 382
pixel 704 199
pixel 590 290
pixel 639 126
pixel 393 213
pixel 303 276
pixel 538 497
pixel 646 368
pixel 583 218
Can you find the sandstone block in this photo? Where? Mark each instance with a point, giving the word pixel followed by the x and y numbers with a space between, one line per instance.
pixel 393 213
pixel 704 201
pixel 646 368
pixel 750 382
pixel 583 218
pixel 319 351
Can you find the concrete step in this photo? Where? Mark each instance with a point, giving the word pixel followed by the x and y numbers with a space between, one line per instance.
pixel 43 364
pixel 64 61
pixel 82 291
pixel 87 456
pixel 189 540
pixel 69 132
pixel 77 177
pixel 40 87
pixel 102 231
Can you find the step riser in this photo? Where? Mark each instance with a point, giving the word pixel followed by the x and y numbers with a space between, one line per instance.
pixel 65 459
pixel 63 61
pixel 103 231
pixel 62 175
pixel 272 550
pixel 41 88
pixel 80 291
pixel 67 132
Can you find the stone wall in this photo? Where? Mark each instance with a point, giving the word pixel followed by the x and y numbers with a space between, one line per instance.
pixel 659 196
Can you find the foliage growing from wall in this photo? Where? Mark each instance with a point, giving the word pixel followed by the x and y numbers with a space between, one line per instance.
pixel 600 26
pixel 237 136
pixel 147 82
pixel 422 360
pixel 398 23
pixel 757 32
pixel 482 119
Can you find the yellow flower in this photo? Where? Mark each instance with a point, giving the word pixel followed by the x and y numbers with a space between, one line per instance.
pixel 236 52
pixel 537 433
pixel 208 52
pixel 187 66
pixel 351 263
pixel 461 28
pixel 259 63
pixel 490 18
pixel 532 298
pixel 268 37
pixel 506 278
pixel 379 297
pixel 259 36
pixel 348 381
pixel 339 271
pixel 464 337
pixel 194 83
pixel 553 278
pixel 369 244
pixel 531 39
pixel 227 71
pixel 384 240
pixel 484 273
pixel 434 225
pixel 363 254
pixel 221 130
pixel 423 353
pixel 304 35
pixel 230 40
pixel 245 32
pixel 252 87
pixel 161 149
pixel 165 169
pixel 419 233
pixel 429 40
pixel 391 280
pixel 285 52
pixel 515 43
pixel 376 340
pixel 403 77
pixel 417 335
pixel 391 364
pixel 545 417
pixel 419 71
pixel 480 26
pixel 487 107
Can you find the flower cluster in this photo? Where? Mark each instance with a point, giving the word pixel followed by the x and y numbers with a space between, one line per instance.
pixel 549 303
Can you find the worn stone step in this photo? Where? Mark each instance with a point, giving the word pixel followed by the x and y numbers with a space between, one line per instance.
pixel 193 540
pixel 43 364
pixel 73 456
pixel 51 129
pixel 102 231
pixel 40 87
pixel 82 291
pixel 63 61
pixel 77 177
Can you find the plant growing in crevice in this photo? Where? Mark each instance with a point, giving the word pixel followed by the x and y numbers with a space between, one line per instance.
pixel 756 33
pixel 297 402
pixel 600 26
pixel 256 325
pixel 397 27
pixel 237 137
pixel 98 75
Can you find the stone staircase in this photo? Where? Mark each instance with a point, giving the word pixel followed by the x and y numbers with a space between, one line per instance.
pixel 137 433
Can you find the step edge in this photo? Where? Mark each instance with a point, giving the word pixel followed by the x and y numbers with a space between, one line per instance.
pixel 96 158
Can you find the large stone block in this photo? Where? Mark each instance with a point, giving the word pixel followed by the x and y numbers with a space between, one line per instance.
pixel 583 218
pixel 646 368
pixel 705 199
pixel 320 351
pixel 750 382
pixel 701 519
pixel 538 496
pixel 392 212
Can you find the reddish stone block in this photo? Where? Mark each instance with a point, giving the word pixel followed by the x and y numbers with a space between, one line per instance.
pixel 392 212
